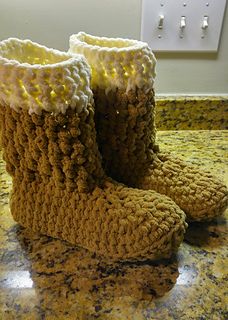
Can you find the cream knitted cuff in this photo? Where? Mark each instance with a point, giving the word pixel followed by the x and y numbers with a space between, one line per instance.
pixel 34 77
pixel 116 63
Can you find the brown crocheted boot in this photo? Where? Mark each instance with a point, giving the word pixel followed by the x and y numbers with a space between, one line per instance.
pixel 122 83
pixel 59 187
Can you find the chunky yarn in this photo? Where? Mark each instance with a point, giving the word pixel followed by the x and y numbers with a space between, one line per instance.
pixel 37 78
pixel 125 123
pixel 130 155
pixel 61 190
pixel 116 63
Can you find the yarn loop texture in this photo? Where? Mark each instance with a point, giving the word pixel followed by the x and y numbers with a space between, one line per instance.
pixel 125 123
pixel 37 78
pixel 60 188
pixel 115 62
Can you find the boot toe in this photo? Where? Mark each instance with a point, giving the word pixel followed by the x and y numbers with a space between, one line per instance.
pixel 209 198
pixel 198 193
pixel 151 226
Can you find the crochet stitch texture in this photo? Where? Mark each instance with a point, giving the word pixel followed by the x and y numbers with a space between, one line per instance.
pixel 37 78
pixel 61 190
pixel 125 123
pixel 116 63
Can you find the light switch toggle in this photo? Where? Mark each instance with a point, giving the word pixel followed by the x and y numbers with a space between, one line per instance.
pixel 161 21
pixel 205 23
pixel 183 23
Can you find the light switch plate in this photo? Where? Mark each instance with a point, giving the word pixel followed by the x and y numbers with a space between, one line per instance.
pixel 191 37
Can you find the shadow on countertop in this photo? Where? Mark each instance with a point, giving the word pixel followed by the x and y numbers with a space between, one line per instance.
pixel 70 279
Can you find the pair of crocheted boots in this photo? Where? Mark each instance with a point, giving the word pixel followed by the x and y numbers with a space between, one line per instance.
pixel 50 147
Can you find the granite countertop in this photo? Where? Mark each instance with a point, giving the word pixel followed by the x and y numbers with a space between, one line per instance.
pixel 192 112
pixel 44 278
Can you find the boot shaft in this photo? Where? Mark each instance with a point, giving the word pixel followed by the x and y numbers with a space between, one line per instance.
pixel 126 132
pixel 123 73
pixel 48 147
pixel 48 133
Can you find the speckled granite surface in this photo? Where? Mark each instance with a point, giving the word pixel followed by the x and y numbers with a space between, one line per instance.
pixel 192 112
pixel 44 278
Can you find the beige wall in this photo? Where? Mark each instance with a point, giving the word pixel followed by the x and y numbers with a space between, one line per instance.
pixel 51 22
